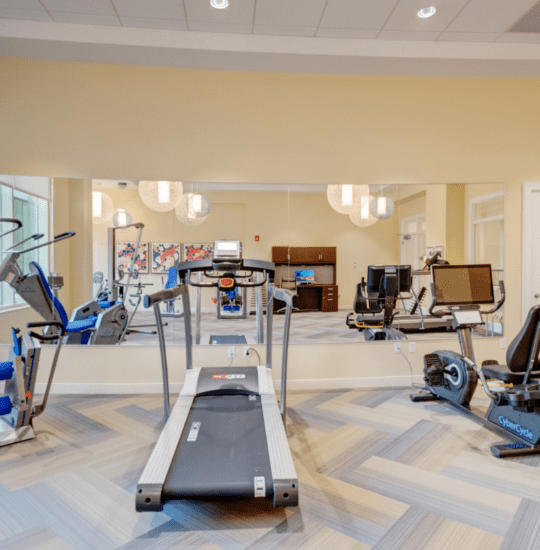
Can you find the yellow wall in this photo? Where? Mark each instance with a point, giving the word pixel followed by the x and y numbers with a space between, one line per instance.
pixel 83 120
pixel 455 227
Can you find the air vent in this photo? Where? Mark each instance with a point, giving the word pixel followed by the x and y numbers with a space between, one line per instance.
pixel 530 22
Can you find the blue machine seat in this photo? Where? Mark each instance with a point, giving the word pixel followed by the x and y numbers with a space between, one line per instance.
pixel 106 304
pixel 5 405
pixel 73 326
pixel 6 370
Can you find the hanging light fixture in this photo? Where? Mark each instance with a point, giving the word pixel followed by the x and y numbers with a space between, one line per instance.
pixel 161 196
pixel 102 207
pixel 381 207
pixel 122 218
pixel 345 198
pixel 193 208
pixel 362 216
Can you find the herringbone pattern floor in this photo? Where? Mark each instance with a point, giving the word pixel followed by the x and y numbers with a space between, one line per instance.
pixel 376 471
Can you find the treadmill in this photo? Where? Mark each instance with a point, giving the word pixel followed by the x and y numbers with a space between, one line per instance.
pixel 225 437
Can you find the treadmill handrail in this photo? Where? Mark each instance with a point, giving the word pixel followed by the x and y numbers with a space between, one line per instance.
pixel 164 295
pixel 18 224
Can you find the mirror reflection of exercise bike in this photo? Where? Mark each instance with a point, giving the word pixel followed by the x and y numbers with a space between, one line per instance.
pixel 514 410
pixel 375 302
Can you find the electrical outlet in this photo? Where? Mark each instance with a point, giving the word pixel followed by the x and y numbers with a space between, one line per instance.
pixel 397 347
pixel 502 343
pixel 231 352
pixel 246 351
pixel 412 347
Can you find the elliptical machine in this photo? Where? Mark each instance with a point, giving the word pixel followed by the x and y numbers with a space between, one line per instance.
pixel 514 410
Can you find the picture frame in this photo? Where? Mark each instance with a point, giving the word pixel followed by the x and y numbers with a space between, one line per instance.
pixel 124 255
pixel 430 250
pixel 198 251
pixel 164 256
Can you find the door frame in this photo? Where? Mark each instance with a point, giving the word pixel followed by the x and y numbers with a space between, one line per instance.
pixel 527 286
pixel 473 222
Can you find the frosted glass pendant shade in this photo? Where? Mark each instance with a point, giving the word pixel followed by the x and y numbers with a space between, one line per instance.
pixel 362 216
pixel 102 208
pixel 193 208
pixel 161 196
pixel 345 198
pixel 122 218
pixel 381 207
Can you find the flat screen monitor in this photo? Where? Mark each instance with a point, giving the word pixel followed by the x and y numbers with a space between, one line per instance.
pixel 457 285
pixel 305 276
pixel 376 275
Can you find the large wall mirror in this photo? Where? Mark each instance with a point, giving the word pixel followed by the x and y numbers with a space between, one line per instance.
pixel 329 247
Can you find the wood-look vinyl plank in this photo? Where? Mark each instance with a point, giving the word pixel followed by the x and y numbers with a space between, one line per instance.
pixel 366 416
pixel 421 530
pixel 315 419
pixel 372 506
pixel 311 536
pixel 39 538
pixel 307 399
pixel 494 473
pixel 233 525
pixel 16 515
pixel 524 532
pixel 369 398
pixel 330 446
pixel 480 507
pixel 88 511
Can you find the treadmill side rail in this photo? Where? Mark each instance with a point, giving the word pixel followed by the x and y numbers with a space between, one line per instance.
pixel 148 498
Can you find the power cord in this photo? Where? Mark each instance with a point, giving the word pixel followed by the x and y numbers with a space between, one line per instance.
pixel 254 350
pixel 416 386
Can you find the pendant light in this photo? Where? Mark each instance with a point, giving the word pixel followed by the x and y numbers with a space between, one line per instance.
pixel 345 198
pixel 381 207
pixel 193 208
pixel 122 218
pixel 161 196
pixel 102 207
pixel 362 216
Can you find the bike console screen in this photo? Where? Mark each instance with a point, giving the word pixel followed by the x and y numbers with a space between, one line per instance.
pixel 457 285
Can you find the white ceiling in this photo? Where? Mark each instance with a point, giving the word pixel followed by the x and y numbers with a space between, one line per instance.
pixel 326 36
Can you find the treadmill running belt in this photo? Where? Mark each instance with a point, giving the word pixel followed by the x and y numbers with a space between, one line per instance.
pixel 223 455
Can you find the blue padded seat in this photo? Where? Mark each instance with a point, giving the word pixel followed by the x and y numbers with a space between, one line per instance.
pixel 74 326
pixel 5 405
pixel 106 304
pixel 6 370
pixel 172 278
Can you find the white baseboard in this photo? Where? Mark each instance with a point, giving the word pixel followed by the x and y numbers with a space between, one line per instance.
pixel 175 387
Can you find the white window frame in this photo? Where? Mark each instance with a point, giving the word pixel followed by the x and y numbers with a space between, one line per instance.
pixel 473 222
pixel 14 307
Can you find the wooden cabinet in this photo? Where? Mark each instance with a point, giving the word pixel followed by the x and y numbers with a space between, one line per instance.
pixel 304 255
pixel 329 297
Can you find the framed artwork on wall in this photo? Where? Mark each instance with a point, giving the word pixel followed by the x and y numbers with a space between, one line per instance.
pixel 197 251
pixel 124 256
pixel 164 256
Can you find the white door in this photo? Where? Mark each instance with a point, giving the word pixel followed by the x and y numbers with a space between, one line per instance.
pixel 413 243
pixel 531 247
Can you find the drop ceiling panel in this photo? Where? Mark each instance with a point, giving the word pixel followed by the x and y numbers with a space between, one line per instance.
pixel 238 12
pixel 94 7
pixel 284 31
pixel 347 33
pixel 285 13
pixel 30 15
pixel 22 4
pixel 490 15
pixel 469 36
pixel 155 9
pixel 86 19
pixel 529 23
pixel 209 26
pixel 408 35
pixel 357 14
pixel 170 24
pixel 405 18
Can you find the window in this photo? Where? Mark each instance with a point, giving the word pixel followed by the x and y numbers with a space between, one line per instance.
pixel 487 230
pixel 33 212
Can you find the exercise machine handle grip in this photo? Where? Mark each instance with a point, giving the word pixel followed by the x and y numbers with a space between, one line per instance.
pixel 18 223
pixel 41 324
pixel 165 295
pixel 63 236
pixel 499 303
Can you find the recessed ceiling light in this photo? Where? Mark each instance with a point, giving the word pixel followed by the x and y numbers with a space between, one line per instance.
pixel 427 12
pixel 219 4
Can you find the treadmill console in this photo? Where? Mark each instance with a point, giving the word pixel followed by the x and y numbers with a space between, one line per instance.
pixel 226 251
